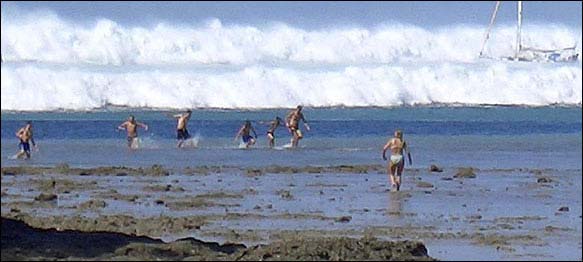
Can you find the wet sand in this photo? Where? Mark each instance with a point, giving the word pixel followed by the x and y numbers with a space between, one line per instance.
pixel 460 213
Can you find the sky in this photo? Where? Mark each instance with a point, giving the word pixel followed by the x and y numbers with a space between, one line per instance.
pixel 305 15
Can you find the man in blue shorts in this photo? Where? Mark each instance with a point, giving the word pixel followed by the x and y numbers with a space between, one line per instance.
pixel 25 136
pixel 245 133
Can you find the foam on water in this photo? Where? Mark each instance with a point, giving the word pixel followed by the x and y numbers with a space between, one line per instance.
pixel 56 64
pixel 47 38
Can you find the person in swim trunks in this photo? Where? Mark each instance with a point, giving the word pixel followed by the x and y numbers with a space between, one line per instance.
pixel 292 121
pixel 25 136
pixel 271 131
pixel 396 163
pixel 245 133
pixel 131 125
pixel 181 131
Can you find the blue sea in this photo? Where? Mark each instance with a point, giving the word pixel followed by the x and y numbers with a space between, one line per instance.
pixel 480 137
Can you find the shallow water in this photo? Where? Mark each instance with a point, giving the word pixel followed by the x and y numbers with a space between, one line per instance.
pixel 510 147
pixel 508 205
pixel 497 137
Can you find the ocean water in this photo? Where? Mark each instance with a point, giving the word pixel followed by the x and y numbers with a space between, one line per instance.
pixel 482 137
pixel 78 78
pixel 58 62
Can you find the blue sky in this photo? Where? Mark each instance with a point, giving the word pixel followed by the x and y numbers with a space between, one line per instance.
pixel 306 14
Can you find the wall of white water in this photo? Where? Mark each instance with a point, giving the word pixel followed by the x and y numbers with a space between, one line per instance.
pixel 33 88
pixel 51 64
pixel 49 39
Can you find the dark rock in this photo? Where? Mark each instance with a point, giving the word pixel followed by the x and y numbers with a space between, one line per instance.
pixel 84 174
pixel 121 174
pixel 434 168
pixel 285 194
pixel 343 219
pixel 544 180
pixel 254 172
pixel 45 197
pixel 564 209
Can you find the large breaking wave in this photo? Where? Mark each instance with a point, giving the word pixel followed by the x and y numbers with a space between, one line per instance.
pixel 53 64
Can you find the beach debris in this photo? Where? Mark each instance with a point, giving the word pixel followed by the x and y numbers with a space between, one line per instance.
pixel 447 178
pixel 544 180
pixel 84 174
pixel 45 197
pixel 564 209
pixel 466 172
pixel 434 168
pixel 159 202
pixel 121 174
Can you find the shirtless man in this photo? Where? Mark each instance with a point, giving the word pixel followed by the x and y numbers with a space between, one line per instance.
pixel 244 132
pixel 181 131
pixel 292 121
pixel 396 163
pixel 271 131
pixel 131 125
pixel 25 136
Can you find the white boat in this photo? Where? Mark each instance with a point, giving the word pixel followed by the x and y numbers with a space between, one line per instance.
pixel 522 53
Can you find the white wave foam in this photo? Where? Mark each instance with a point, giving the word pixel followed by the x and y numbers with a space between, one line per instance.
pixel 31 87
pixel 47 38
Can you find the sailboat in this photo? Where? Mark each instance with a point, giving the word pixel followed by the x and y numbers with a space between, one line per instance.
pixel 522 53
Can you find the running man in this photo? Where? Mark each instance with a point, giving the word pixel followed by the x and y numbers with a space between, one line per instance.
pixel 181 131
pixel 271 131
pixel 292 121
pixel 131 125
pixel 396 163
pixel 25 136
pixel 245 133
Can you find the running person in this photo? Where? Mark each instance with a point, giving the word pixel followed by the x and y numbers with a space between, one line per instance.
pixel 271 131
pixel 245 133
pixel 131 125
pixel 396 163
pixel 25 136
pixel 181 131
pixel 292 121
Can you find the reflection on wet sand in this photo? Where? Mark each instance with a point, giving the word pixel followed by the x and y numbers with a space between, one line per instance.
pixel 395 205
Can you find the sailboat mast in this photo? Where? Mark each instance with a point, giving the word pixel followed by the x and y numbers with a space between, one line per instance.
pixel 490 27
pixel 518 29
